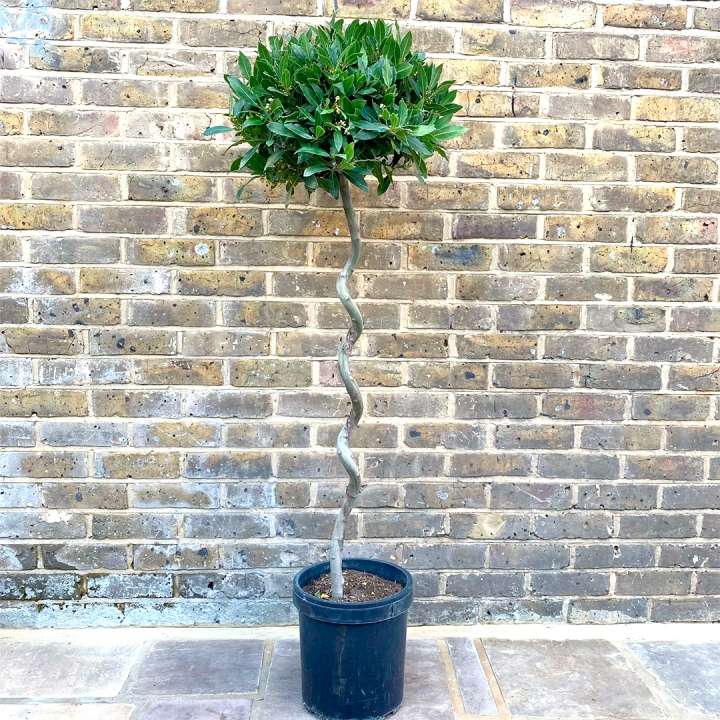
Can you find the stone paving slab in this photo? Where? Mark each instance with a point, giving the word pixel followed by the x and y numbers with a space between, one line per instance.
pixel 47 670
pixel 205 667
pixel 472 681
pixel 689 671
pixel 136 677
pixel 427 696
pixel 183 708
pixel 65 711
pixel 584 679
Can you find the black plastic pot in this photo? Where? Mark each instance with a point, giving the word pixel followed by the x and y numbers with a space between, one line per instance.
pixel 353 654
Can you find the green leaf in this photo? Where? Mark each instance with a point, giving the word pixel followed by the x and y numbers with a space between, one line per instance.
pixel 315 169
pixel 449 132
pixel 280 129
pixel 298 130
pixel 241 90
pixel 313 150
pixel 337 141
pixel 375 127
pixel 244 65
pixel 356 177
pixel 274 157
pixel 421 130
pixel 216 130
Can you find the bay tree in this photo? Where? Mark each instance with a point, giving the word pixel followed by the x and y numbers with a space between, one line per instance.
pixel 327 109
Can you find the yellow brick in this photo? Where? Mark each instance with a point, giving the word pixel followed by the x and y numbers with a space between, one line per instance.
pixel 625 259
pixel 178 372
pixel 182 6
pixel 466 10
pixel 586 166
pixel 35 217
pixel 43 403
pixel 168 251
pixel 498 165
pixel 482 103
pixel 11 123
pixel 388 9
pixel 223 221
pixel 574 75
pixel 552 13
pixel 677 109
pixel 541 135
pixel 471 72
pixel 661 17
pixel 120 27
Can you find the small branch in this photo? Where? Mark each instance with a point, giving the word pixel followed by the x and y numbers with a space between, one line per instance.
pixel 342 444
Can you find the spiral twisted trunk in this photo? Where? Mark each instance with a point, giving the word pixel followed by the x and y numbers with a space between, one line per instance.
pixel 342 444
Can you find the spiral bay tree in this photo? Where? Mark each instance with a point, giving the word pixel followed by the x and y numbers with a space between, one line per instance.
pixel 327 108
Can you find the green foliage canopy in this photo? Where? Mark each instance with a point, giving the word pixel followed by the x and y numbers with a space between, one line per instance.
pixel 352 100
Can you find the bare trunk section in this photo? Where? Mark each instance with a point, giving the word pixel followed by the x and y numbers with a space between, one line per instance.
pixel 342 444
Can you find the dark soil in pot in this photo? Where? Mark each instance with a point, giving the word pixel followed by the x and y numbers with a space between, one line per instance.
pixel 358 587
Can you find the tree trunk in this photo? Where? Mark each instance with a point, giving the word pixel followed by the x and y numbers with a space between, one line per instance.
pixel 354 485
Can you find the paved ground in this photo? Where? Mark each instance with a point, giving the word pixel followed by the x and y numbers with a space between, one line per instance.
pixel 452 674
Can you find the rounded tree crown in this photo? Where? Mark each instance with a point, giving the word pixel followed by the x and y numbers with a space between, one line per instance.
pixel 352 100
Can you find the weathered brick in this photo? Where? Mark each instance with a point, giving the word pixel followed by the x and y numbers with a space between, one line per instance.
pixel 36 152
pixel 626 318
pixel 489 526
pixel 498 347
pixel 538 317
pixel 74 59
pixel 656 525
pixel 445 194
pixel 570 583
pixel 619 76
pixel 585 228
pixel 498 43
pixel 465 10
pixel 121 27
pixel 617 555
pixel 564 74
pixel 471 72
pixel 466 227
pixel 41 341
pixel 582 288
pixel 213 33
pixel 671 407
pixel 39 90
pixel 553 13
pixel 583 406
pixel 453 436
pixel 122 219
pixel 700 139
pixel 498 165
pixel 624 259
pixel 597 46
pixel 673 109
pixel 112 526
pixel 679 170
pixel 193 313
pixel 683 49
pixel 617 497
pixel 496 405
pixel 49 525
pixel 223 221
pixel 589 107
pixel 586 166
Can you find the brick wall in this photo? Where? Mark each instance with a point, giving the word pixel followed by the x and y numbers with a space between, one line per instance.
pixel 541 362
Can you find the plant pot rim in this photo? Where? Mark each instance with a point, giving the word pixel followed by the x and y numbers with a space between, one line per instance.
pixel 344 613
